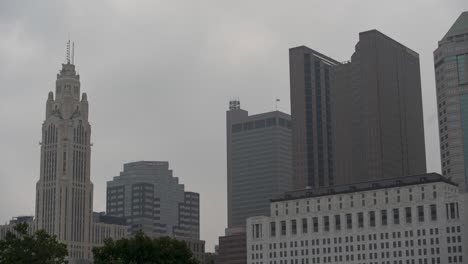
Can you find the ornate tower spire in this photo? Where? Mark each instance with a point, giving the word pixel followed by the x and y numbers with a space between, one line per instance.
pixel 68 52
pixel 64 191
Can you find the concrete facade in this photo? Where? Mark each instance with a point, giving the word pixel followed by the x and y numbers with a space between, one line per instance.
pixel 377 112
pixel 416 219
pixel 64 192
pixel 312 130
pixel 258 161
pixel 451 70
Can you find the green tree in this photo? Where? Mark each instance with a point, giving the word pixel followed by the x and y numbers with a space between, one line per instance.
pixel 19 247
pixel 141 249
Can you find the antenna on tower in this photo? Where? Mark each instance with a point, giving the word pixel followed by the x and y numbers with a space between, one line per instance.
pixel 68 52
pixel 73 53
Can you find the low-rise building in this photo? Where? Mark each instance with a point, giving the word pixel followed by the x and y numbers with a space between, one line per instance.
pixel 103 227
pixel 232 247
pixel 15 220
pixel 409 220
pixel 106 226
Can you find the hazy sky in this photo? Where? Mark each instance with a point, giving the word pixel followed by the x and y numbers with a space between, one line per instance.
pixel 159 75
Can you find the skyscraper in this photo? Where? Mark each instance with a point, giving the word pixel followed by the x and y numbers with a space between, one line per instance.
pixel 451 71
pixel 378 111
pixel 360 120
pixel 64 192
pixel 258 161
pixel 312 133
pixel 152 200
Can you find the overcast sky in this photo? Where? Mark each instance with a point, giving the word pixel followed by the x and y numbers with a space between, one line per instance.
pixel 159 75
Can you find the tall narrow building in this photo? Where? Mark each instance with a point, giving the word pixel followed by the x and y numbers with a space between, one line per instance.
pixel 258 169
pixel 258 161
pixel 312 132
pixel 451 71
pixel 64 192
pixel 377 112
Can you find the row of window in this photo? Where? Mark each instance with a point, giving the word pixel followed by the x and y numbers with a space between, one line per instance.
pixel 262 123
pixel 358 220
pixel 433 260
pixel 421 252
pixel 351 201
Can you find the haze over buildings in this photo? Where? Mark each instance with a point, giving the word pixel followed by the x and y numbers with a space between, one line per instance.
pixel 158 99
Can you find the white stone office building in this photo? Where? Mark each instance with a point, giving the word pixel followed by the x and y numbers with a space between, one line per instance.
pixel 64 192
pixel 410 220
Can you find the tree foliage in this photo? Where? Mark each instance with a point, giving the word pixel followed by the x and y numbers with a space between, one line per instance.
pixel 141 249
pixel 19 247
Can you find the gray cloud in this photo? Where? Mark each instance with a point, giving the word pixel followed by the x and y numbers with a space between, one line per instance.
pixel 159 74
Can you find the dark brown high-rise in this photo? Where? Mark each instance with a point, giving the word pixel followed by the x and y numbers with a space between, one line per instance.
pixel 377 107
pixel 371 126
pixel 311 118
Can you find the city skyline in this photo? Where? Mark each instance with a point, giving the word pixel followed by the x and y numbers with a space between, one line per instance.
pixel 136 86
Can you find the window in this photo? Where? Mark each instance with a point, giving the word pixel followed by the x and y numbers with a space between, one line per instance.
pixel 420 213
pixel 408 215
pixel 433 212
pixel 337 222
pixel 271 122
pixel 360 220
pixel 315 224
pixel 257 231
pixel 283 228
pixel 294 227
pixel 383 215
pixel 349 221
pixel 248 125
pixel 451 211
pixel 282 122
pixel 396 216
pixel 461 68
pixel 326 221
pixel 272 229
pixel 372 218
pixel 304 225
pixel 260 123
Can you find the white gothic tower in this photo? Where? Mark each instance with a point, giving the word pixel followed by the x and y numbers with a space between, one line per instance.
pixel 64 192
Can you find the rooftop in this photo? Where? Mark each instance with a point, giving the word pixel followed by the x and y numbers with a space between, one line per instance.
pixel 316 54
pixel 376 32
pixel 364 186
pixel 459 27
